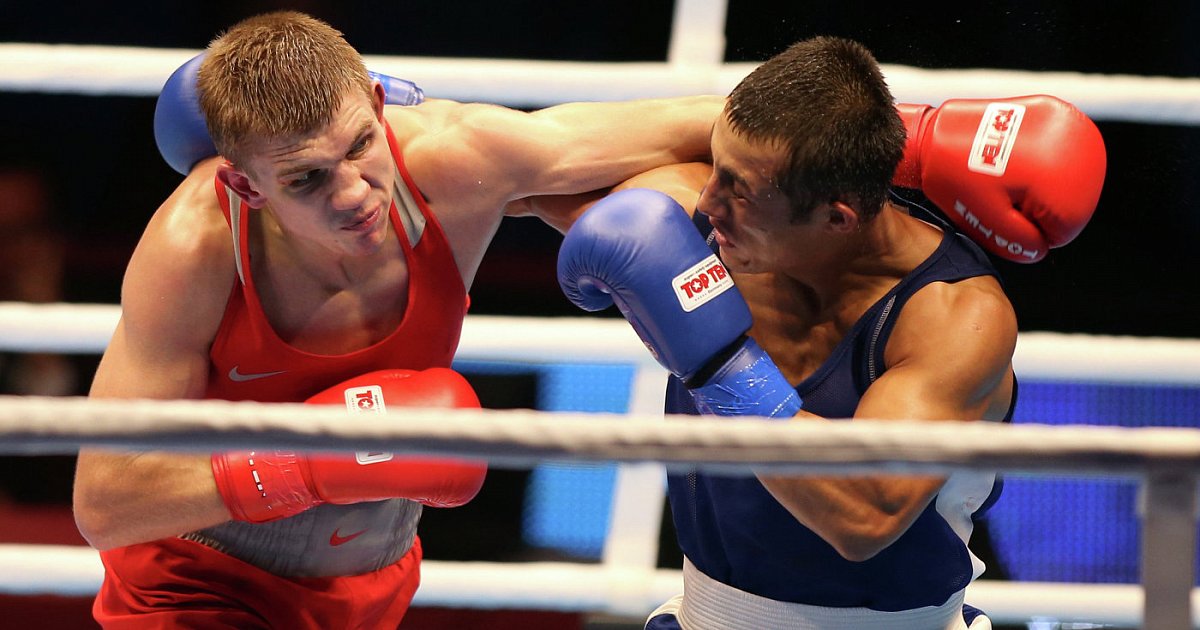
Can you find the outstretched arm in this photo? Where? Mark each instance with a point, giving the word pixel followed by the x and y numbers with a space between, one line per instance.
pixel 496 155
pixel 470 160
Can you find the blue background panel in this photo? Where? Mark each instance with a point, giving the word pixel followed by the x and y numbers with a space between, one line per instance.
pixel 567 505
pixel 1081 529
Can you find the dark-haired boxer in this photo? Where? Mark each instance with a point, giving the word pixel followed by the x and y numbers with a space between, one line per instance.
pixel 808 294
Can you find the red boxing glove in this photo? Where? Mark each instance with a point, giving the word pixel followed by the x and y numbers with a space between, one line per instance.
pixel 261 486
pixel 1017 175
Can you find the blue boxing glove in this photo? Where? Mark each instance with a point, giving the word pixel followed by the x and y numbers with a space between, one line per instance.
pixel 182 135
pixel 638 249
pixel 179 129
pixel 398 91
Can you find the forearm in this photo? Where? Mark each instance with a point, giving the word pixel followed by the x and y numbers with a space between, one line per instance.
pixel 127 498
pixel 124 498
pixel 558 211
pixel 682 182
pixel 854 515
pixel 613 142
pixel 684 123
pixel 858 516
pixel 687 128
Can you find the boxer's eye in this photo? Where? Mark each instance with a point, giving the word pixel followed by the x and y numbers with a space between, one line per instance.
pixel 359 147
pixel 304 181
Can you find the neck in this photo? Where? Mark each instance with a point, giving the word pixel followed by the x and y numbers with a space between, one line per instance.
pixel 331 268
pixel 861 264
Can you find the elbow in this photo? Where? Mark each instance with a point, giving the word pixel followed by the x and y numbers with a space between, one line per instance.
pixel 857 550
pixel 865 543
pixel 97 521
pixel 96 527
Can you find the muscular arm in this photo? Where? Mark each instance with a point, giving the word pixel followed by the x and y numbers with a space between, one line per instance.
pixel 172 300
pixel 470 161
pixel 949 358
pixel 578 147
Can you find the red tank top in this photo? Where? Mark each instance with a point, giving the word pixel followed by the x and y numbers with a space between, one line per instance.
pixel 248 359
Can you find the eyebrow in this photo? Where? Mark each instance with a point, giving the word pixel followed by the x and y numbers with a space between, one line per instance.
pixel 303 167
pixel 295 170
pixel 734 178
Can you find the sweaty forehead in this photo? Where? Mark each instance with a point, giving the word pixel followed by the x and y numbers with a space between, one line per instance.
pixel 753 162
pixel 289 154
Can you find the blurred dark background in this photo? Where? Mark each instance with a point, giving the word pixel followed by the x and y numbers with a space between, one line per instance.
pixel 94 164
pixel 1126 274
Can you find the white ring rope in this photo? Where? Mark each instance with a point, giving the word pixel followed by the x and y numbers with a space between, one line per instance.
pixel 76 571
pixel 86 328
pixel 528 436
pixel 521 438
pixel 524 438
pixel 509 436
pixel 132 71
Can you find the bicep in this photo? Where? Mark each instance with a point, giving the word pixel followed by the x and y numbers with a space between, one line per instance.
pixel 135 366
pixel 948 358
pixel 157 351
pixel 558 211
pixel 172 301
pixel 862 515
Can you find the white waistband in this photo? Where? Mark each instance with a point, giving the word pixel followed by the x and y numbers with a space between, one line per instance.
pixel 711 605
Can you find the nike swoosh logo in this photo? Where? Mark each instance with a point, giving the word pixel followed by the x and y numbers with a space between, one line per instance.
pixel 238 377
pixel 336 541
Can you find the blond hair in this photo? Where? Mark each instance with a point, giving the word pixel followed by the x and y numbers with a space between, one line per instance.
pixel 276 75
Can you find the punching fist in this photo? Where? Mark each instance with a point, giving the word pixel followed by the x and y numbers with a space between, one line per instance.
pixel 638 248
pixel 266 485
pixel 182 135
pixel 1018 175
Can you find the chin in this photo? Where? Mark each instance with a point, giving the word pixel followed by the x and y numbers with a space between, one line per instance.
pixel 382 227
pixel 374 242
pixel 734 262
pixel 365 244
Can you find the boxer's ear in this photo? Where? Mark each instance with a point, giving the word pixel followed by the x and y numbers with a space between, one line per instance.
pixel 841 217
pixel 241 184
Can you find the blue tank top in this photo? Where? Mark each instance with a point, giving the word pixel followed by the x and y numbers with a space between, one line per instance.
pixel 734 531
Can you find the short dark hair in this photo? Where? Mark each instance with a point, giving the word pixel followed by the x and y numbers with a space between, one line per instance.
pixel 824 101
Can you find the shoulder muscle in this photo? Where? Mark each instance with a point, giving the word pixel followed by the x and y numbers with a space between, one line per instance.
pixel 182 269
pixel 953 344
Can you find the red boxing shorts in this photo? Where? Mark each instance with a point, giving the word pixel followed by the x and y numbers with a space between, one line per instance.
pixel 176 583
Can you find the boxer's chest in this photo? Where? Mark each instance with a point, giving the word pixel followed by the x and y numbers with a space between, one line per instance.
pixel 315 316
pixel 799 337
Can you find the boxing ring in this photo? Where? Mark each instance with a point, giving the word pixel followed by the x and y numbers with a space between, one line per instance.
pixel 1163 462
